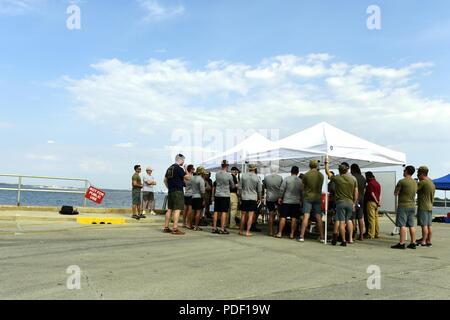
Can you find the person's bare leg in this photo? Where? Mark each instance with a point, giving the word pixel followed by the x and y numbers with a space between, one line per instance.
pixel 243 220
pixel 305 221
pixel 281 227
pixel 350 231
pixel 223 220
pixel 424 234
pixel 412 232
pixel 176 216
pixel 430 233
pixel 342 230
pixel 354 226
pixel 293 228
pixel 214 226
pixel 321 226
pixel 168 216
pixel 271 218
pixel 134 208
pixel 185 215
pixel 362 227
pixel 189 217
pixel 402 235
pixel 249 223
pixel 198 214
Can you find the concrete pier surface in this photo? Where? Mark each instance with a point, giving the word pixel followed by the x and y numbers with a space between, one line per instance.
pixel 137 261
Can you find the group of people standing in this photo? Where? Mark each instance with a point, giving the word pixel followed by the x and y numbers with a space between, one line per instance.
pixel 355 199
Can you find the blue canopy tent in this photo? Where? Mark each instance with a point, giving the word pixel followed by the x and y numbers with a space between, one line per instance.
pixel 443 184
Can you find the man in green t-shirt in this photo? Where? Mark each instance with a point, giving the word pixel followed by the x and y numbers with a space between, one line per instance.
pixel 406 190
pixel 425 191
pixel 136 186
pixel 346 196
pixel 312 188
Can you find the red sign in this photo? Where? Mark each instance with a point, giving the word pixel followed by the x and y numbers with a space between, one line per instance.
pixel 95 195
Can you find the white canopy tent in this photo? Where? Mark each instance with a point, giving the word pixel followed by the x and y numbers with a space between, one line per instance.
pixel 324 140
pixel 238 155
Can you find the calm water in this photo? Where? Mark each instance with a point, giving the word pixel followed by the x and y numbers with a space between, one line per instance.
pixel 113 199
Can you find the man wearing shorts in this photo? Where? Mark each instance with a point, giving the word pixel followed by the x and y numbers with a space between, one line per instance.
pixel 187 213
pixel 136 187
pixel 148 195
pixel 346 196
pixel 174 180
pixel 250 187
pixel 198 196
pixel 221 195
pixel 312 186
pixel 425 191
pixel 290 199
pixel 271 186
pixel 406 190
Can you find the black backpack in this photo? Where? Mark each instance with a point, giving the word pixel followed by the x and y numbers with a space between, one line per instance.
pixel 68 211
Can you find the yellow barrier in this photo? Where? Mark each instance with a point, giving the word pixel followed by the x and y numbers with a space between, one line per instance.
pixel 101 221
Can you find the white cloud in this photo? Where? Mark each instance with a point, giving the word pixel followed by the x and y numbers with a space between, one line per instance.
pixel 125 145
pixel 150 101
pixel 51 142
pixel 158 12
pixel 41 157
pixel 20 7
pixel 162 94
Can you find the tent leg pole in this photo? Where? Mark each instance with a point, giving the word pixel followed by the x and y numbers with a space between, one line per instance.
pixel 326 210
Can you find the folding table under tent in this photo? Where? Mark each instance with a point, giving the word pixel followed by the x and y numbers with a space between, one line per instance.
pixel 443 184
pixel 238 155
pixel 324 140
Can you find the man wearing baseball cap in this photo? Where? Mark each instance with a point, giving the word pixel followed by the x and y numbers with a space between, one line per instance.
pixel 425 191
pixel 250 188
pixel 346 195
pixel 148 195
pixel 221 195
pixel 406 190
pixel 312 186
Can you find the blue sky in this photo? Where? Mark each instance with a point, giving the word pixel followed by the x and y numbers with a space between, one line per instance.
pixel 92 102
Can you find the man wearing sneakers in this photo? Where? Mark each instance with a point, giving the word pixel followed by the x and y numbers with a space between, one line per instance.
pixel 290 199
pixel 250 187
pixel 174 180
pixel 221 195
pixel 271 186
pixel 198 196
pixel 312 186
pixel 406 190
pixel 346 195
pixel 425 191
pixel 136 185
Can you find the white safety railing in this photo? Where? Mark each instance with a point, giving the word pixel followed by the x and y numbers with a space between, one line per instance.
pixel 20 188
